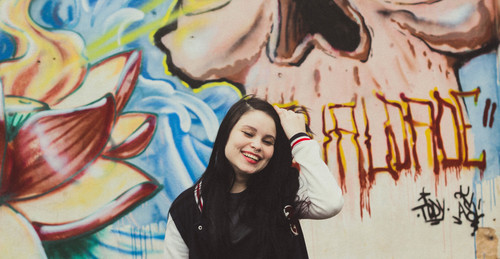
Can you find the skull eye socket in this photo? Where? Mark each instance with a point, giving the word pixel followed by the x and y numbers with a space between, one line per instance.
pixel 326 18
pixel 301 18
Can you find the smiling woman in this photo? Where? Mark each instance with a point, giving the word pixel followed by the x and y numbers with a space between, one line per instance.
pixel 250 146
pixel 248 202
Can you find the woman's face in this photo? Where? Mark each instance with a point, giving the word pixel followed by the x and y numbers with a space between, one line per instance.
pixel 250 145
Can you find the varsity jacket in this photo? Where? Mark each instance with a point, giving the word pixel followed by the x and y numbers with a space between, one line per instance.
pixel 187 237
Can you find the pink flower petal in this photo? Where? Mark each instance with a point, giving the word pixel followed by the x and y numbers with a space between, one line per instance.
pixel 18 238
pixel 132 134
pixel 131 73
pixel 97 221
pixel 3 138
pixel 53 146
pixel 89 202
pixel 116 75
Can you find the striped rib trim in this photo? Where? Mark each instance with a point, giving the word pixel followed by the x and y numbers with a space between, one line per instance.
pixel 297 138
pixel 197 196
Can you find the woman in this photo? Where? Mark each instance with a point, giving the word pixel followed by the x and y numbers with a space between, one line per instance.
pixel 248 201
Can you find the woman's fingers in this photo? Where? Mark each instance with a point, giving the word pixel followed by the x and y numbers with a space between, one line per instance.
pixel 291 122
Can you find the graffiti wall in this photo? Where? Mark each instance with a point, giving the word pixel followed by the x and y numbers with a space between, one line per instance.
pixel 110 108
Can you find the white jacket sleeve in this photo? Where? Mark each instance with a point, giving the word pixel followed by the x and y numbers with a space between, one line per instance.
pixel 175 247
pixel 317 184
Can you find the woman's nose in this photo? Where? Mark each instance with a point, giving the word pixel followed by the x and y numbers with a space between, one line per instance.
pixel 256 145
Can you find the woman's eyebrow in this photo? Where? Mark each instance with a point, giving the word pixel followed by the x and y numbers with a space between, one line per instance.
pixel 249 127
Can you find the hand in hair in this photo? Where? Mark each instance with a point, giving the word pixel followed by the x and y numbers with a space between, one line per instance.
pixel 291 122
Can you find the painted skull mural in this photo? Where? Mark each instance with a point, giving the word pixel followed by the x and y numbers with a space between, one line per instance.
pixel 381 81
pixel 110 109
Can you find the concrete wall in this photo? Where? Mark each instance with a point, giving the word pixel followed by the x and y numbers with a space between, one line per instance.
pixel 100 130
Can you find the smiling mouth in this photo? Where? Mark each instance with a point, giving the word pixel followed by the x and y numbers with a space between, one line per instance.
pixel 251 156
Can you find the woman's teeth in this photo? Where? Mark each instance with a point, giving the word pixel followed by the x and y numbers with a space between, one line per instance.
pixel 251 156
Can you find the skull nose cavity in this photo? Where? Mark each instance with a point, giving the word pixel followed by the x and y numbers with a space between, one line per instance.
pixel 322 24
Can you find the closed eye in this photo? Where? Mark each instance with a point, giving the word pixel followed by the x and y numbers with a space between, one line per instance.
pixel 248 134
pixel 268 142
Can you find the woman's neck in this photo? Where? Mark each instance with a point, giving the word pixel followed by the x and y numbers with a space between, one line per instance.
pixel 240 184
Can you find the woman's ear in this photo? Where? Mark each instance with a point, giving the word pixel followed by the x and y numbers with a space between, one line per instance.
pixel 334 27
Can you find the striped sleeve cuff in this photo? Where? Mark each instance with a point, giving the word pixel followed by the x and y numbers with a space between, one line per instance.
pixel 297 138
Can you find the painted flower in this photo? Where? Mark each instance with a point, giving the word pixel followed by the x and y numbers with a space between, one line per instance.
pixel 63 171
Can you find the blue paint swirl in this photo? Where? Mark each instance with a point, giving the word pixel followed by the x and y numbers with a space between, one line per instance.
pixel 7 46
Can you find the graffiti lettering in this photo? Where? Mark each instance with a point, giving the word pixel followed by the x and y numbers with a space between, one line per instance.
pixel 466 160
pixel 432 211
pixel 401 134
pixel 352 134
pixel 492 114
pixel 467 209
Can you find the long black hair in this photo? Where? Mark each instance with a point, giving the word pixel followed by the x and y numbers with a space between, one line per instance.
pixel 267 192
